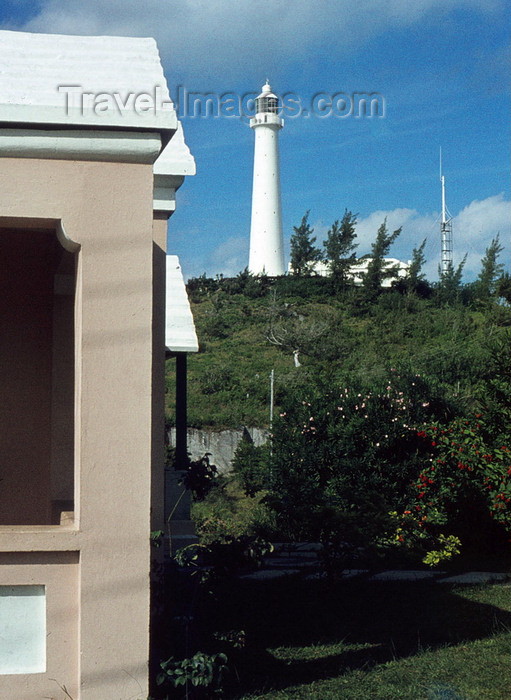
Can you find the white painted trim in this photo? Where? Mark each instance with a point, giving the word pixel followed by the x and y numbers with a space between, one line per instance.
pixel 113 146
pixel 164 200
pixel 175 159
pixel 58 115
pixel 164 193
pixel 180 335
pixel 170 168
pixel 65 241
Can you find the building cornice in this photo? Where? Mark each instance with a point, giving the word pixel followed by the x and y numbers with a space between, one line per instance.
pixel 174 163
pixel 60 116
pixel 78 144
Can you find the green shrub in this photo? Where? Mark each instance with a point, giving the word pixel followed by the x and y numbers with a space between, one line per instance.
pixel 216 377
pixel 464 487
pixel 352 449
pixel 228 513
pixel 200 477
pixel 201 671
pixel 251 464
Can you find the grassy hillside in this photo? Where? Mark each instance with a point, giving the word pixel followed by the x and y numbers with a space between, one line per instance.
pixel 452 344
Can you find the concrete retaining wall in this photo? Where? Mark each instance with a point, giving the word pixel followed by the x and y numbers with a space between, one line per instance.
pixel 220 444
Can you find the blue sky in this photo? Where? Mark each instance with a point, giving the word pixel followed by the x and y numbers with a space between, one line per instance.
pixel 442 67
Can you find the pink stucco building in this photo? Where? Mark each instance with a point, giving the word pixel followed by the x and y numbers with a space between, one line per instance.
pixel 86 188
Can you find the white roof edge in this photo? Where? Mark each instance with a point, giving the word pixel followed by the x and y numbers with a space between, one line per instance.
pixel 180 334
pixel 83 81
pixel 175 159
pixel 54 116
pixel 173 164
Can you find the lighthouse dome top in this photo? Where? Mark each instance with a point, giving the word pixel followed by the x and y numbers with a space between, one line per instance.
pixel 267 101
pixel 266 90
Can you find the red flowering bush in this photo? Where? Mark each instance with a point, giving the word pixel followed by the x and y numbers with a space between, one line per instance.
pixel 465 482
pixel 399 472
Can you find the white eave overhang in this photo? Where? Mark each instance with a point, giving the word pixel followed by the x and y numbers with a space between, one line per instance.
pixel 172 166
pixel 93 98
pixel 180 335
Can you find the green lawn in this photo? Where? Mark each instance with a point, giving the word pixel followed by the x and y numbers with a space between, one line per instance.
pixel 476 670
pixel 362 640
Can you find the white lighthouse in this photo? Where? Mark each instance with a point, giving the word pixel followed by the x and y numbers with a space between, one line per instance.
pixel 266 247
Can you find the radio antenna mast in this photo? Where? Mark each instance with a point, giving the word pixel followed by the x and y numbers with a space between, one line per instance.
pixel 445 229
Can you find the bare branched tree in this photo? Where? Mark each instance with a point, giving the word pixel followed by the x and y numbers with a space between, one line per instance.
pixel 291 331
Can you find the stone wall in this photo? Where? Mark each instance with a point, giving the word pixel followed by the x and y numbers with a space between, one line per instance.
pixel 221 444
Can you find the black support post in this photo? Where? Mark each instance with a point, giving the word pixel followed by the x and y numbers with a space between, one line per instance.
pixel 181 418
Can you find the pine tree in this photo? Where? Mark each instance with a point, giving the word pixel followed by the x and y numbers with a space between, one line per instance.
pixel 377 271
pixel 339 247
pixel 449 286
pixel 486 284
pixel 303 251
pixel 415 280
pixel 504 287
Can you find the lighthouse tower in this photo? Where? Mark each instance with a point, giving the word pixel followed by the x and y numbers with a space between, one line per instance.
pixel 266 248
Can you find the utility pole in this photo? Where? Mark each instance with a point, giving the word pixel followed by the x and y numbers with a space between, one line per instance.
pixel 272 396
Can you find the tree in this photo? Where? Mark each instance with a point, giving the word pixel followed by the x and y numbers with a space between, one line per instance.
pixel 347 449
pixel 246 283
pixel 291 331
pixel 448 289
pixel 250 463
pixel 415 281
pixel 504 287
pixel 303 251
pixel 486 284
pixel 415 275
pixel 377 270
pixel 339 248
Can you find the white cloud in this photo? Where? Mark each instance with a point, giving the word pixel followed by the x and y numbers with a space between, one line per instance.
pixel 473 229
pixel 481 220
pixel 223 40
pixel 368 227
pixel 230 257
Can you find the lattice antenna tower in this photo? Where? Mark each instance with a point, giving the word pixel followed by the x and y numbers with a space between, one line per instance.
pixel 445 229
